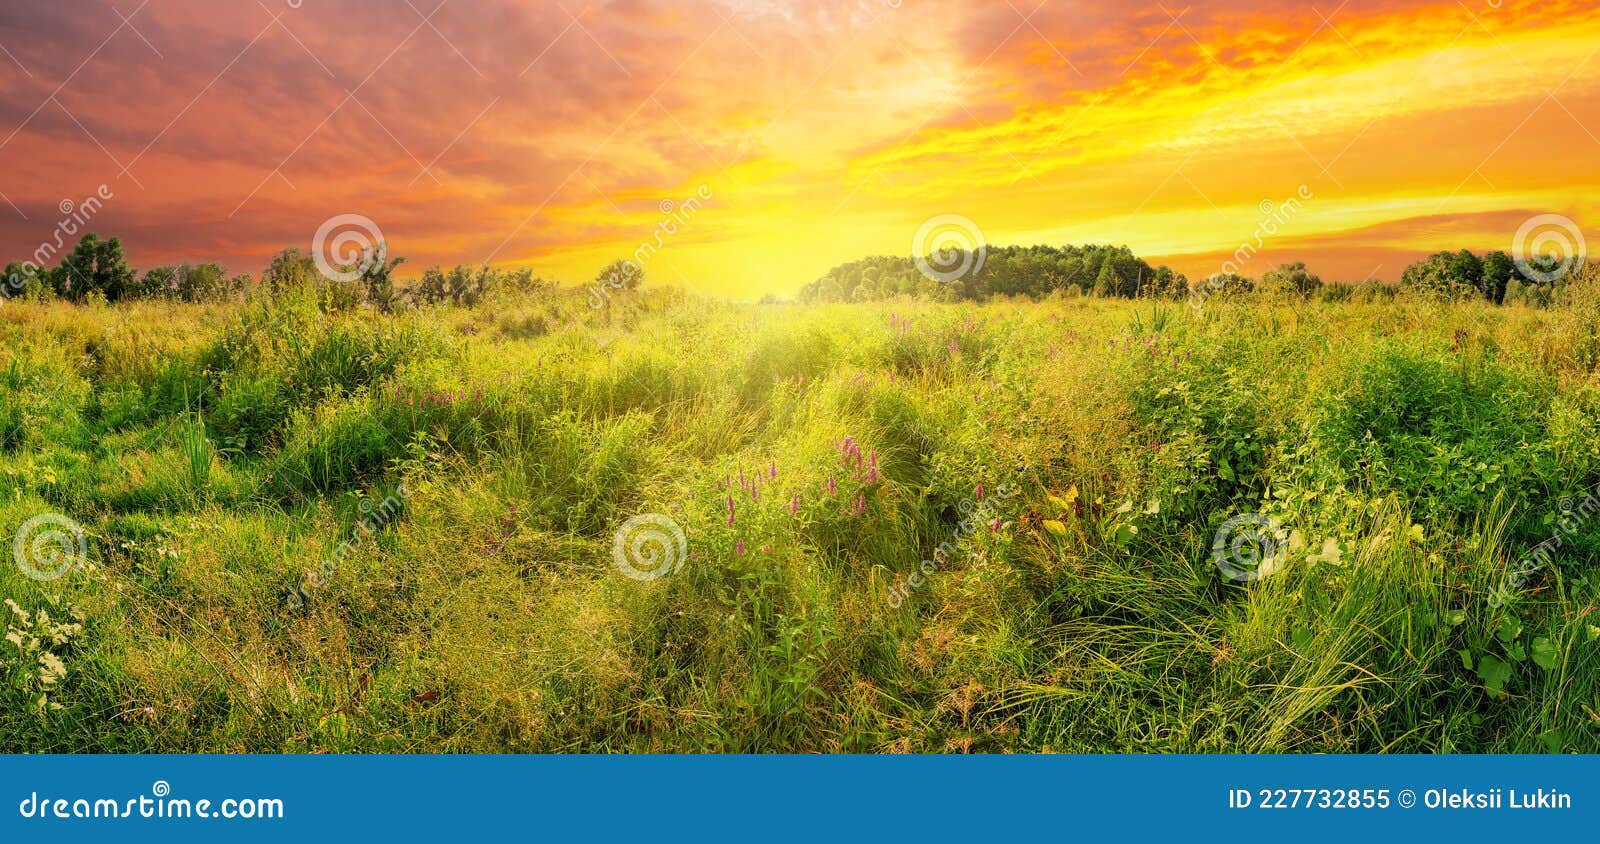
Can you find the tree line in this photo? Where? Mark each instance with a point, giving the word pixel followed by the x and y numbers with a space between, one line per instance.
pixel 1038 272
pixel 97 270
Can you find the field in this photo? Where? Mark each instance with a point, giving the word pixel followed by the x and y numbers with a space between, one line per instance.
pixel 1259 525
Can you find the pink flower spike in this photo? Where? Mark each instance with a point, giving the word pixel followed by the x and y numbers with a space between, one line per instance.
pixel 794 506
pixel 738 547
pixel 977 492
pixel 730 511
pixel 772 471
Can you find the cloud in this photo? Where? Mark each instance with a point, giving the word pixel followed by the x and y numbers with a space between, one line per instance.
pixel 547 133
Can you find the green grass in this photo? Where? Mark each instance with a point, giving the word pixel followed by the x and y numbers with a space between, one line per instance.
pixel 443 486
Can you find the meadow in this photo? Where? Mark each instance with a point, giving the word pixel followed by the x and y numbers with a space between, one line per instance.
pixel 905 526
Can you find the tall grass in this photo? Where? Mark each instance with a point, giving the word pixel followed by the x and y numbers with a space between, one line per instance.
pixel 814 456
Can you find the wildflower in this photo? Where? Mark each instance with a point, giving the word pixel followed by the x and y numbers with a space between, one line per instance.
pixel 977 492
pixel 772 470
pixel 872 467
pixel 766 549
pixel 833 488
pixel 794 506
pixel 738 547
pixel 730 511
pixel 861 504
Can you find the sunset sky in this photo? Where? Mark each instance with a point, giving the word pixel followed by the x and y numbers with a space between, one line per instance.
pixel 553 134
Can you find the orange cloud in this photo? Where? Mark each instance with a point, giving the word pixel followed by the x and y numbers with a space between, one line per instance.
pixel 551 134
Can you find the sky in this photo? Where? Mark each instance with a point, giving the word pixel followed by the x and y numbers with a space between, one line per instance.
pixel 744 147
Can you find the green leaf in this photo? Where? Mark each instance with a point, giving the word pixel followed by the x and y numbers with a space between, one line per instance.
pixel 1544 653
pixel 1466 659
pixel 1510 629
pixel 1494 673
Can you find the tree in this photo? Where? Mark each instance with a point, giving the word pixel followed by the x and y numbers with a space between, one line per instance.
pixel 202 283
pixel 621 274
pixel 1498 270
pixel 21 280
pixel 1290 278
pixel 157 281
pixel 94 266
pixel 1448 275
pixel 290 270
pixel 377 279
pixel 1106 282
